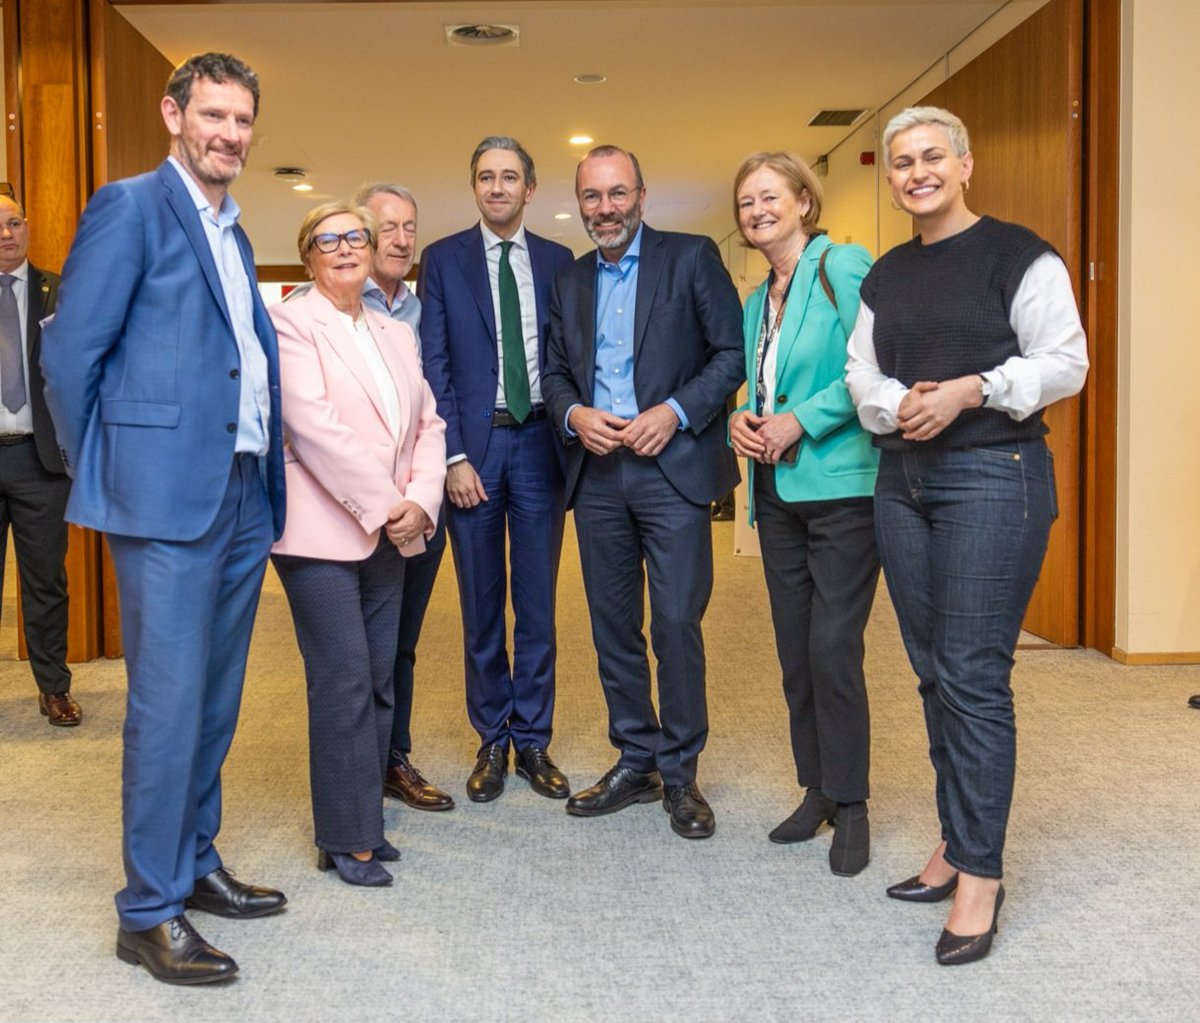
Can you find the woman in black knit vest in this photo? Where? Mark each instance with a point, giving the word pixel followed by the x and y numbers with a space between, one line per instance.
pixel 964 335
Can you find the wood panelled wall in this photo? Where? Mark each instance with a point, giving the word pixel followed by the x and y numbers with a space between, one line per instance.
pixel 46 84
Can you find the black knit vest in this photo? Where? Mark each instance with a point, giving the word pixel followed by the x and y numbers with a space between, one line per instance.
pixel 941 312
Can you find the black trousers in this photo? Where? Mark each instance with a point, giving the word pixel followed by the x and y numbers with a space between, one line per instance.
pixel 34 501
pixel 420 573
pixel 822 568
pixel 347 617
pixel 632 524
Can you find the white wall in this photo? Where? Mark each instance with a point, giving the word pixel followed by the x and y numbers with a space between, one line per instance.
pixel 1158 465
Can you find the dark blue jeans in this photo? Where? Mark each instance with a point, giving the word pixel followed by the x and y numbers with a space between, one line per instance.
pixel 962 533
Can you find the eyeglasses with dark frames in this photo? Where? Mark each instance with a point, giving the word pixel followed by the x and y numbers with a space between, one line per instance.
pixel 328 242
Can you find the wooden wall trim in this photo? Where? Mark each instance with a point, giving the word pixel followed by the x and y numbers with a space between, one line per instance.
pixel 1102 126
pixel 1172 657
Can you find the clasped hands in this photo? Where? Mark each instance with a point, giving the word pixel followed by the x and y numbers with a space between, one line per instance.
pixel 929 406
pixel 646 434
pixel 406 522
pixel 763 438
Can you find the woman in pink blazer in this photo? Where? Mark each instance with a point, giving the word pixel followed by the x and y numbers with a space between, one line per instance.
pixel 365 458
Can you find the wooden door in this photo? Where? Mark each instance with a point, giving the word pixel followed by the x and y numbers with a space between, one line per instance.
pixel 1022 102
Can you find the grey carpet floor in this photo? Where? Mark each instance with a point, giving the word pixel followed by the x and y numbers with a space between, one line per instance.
pixel 514 911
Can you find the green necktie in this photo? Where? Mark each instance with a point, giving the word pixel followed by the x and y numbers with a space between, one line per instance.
pixel 512 338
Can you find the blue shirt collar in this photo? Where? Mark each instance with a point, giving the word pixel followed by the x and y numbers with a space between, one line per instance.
pixel 632 254
pixel 229 211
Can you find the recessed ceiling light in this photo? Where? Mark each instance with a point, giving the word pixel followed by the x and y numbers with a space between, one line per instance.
pixel 592 79
pixel 302 187
pixel 580 140
pixel 562 216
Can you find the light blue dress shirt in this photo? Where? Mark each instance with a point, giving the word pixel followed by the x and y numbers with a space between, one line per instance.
pixel 616 304
pixel 254 407
pixel 406 308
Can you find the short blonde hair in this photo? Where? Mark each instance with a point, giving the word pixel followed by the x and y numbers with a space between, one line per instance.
pixel 313 219
pixel 913 117
pixel 800 180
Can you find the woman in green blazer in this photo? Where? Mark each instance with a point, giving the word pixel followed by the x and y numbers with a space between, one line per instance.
pixel 812 475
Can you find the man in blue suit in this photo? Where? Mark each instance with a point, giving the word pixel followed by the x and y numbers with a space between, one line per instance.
pixel 162 376
pixel 645 348
pixel 485 297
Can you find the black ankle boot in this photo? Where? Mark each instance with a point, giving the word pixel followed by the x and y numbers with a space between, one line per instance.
pixel 851 849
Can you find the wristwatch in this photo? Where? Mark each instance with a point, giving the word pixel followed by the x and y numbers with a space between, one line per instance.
pixel 985 388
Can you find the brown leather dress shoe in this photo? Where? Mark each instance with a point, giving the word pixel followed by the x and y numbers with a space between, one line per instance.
pixel 60 709
pixel 174 953
pixel 223 894
pixel 405 782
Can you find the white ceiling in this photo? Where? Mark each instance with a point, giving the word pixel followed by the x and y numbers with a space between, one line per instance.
pixel 362 91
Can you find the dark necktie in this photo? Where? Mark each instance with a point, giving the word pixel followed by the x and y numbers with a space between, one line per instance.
pixel 12 367
pixel 512 340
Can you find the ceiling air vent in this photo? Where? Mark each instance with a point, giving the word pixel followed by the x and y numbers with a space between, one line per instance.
pixel 483 35
pixel 835 118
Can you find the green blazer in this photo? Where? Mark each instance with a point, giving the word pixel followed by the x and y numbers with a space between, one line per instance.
pixel 836 458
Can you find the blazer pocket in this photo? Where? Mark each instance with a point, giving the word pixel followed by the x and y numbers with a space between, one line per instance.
pixel 122 412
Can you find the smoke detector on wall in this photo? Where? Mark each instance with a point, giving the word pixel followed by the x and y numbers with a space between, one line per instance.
pixel 483 35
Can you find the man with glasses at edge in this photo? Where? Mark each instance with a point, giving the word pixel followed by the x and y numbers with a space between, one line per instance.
pixel 485 295
pixel 645 348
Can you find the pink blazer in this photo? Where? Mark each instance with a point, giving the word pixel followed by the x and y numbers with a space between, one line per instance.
pixel 345 471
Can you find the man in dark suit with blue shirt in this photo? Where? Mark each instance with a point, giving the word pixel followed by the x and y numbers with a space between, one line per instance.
pixel 485 299
pixel 162 376
pixel 645 348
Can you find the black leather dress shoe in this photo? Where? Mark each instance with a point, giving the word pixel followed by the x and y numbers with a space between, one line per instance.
pixel 487 780
pixel 691 816
pixel 956 949
pixel 851 849
pixel 1194 702
pixel 619 787
pixel 223 894
pixel 915 890
pixel 174 953
pixel 815 810
pixel 533 763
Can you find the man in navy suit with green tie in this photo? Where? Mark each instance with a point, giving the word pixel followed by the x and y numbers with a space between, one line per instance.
pixel 485 298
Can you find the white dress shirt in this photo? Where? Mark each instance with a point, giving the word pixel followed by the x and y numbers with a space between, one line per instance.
pixel 368 348
pixel 1052 364
pixel 518 259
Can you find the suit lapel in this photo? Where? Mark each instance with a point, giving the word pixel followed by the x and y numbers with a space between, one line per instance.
pixel 180 201
pixel 797 306
pixel 472 261
pixel 39 297
pixel 387 339
pixel 650 268
pixel 334 331
pixel 585 273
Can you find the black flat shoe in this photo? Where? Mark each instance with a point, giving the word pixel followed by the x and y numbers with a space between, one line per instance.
pixel 223 894
pixel 367 873
pixel 851 849
pixel 915 890
pixel 174 953
pixel 806 819
pixel 487 779
pixel 956 949
pixel 533 764
pixel 620 787
pixel 691 816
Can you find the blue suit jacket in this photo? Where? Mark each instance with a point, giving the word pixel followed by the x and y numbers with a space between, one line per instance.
pixel 687 345
pixel 458 331
pixel 141 366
